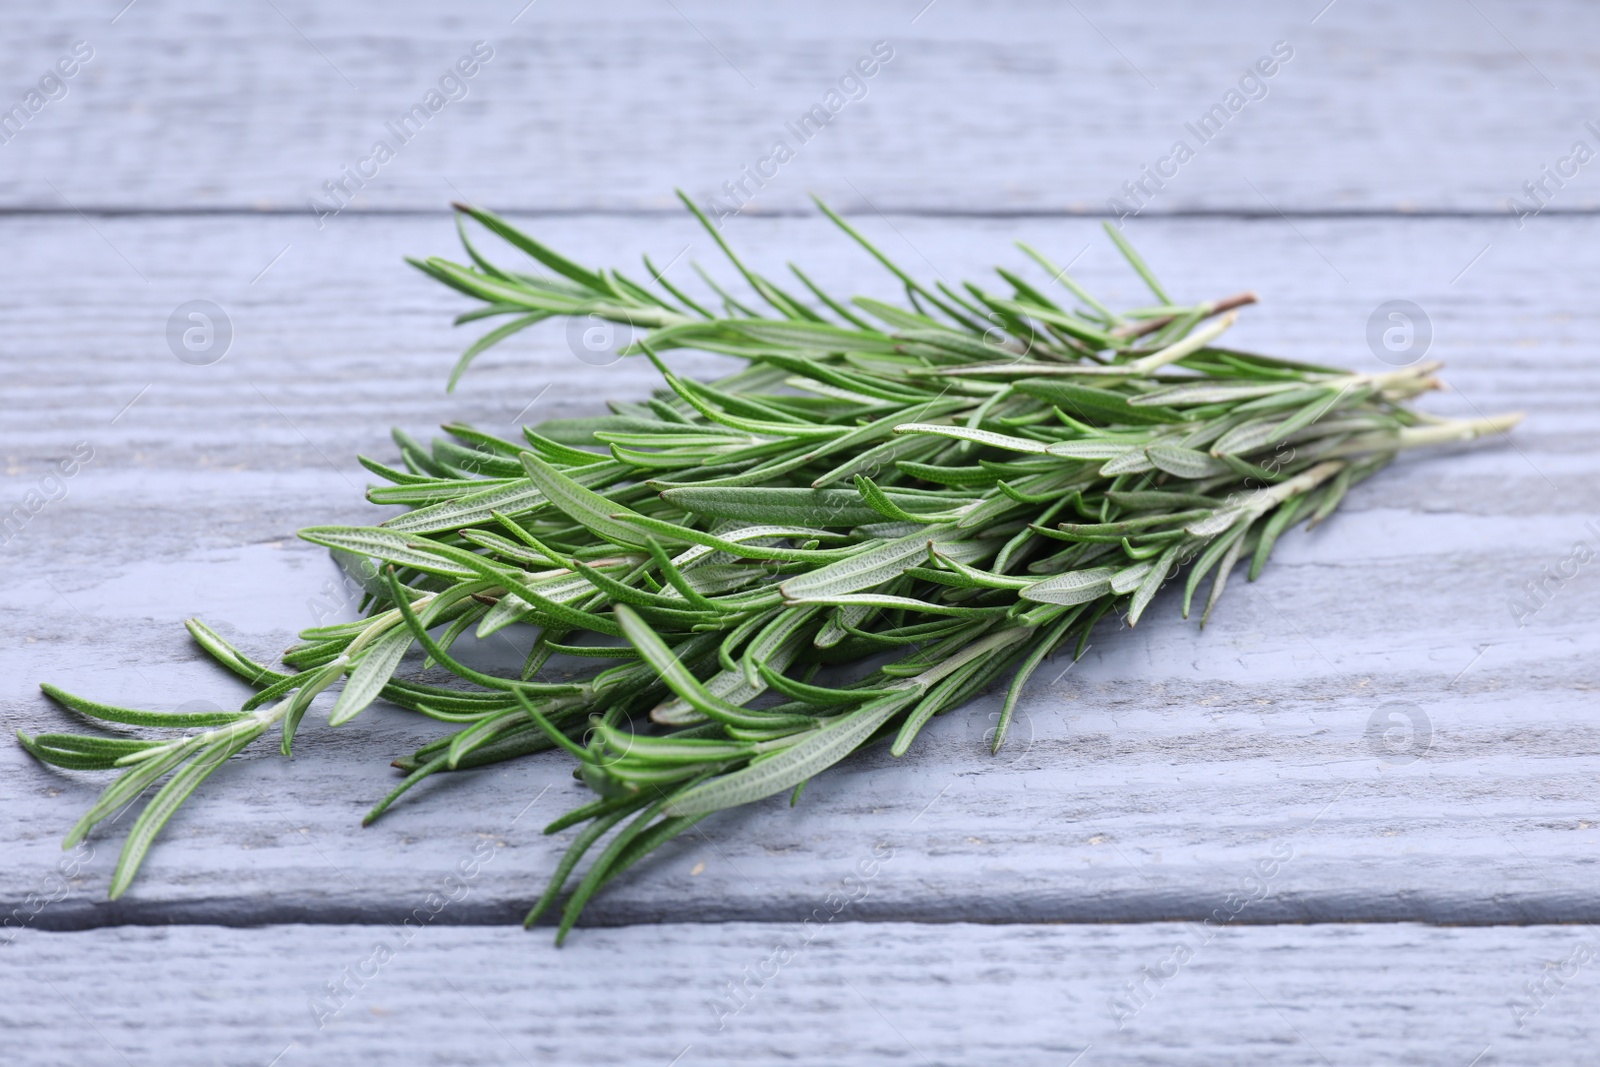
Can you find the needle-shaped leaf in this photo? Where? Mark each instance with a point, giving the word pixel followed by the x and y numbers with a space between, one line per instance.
pixel 387 545
pixel 683 682
pixel 1208 393
pixel 1091 449
pixel 1074 587
pixel 1099 406
pixel 371 673
pixel 884 505
pixel 1153 580
pixel 1042 647
pixel 1185 462
pixel 517 498
pixel 549 257
pixel 1137 262
pixel 1128 579
pixel 488 340
pixel 816 694
pixel 793 765
pixel 164 805
pixel 583 505
pixel 80 753
pixel 136 717
pixel 981 437
pixel 126 788
pixel 737 542
pixel 769 504
pixel 885 600
pixel 865 570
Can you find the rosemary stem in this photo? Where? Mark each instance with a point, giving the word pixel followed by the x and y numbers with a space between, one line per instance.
pixel 1452 431
pixel 1188 346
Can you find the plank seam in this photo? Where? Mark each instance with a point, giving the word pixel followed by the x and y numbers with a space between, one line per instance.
pixel 80 921
pixel 241 211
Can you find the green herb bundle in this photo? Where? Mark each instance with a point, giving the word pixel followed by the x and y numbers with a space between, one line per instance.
pixel 917 501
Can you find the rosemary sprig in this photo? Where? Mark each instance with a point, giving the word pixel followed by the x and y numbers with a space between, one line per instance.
pixel 972 480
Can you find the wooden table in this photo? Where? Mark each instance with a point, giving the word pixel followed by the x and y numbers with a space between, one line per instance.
pixel 1354 821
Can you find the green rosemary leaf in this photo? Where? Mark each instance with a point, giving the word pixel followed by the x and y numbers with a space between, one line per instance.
pixel 399 477
pixel 1131 578
pixel 1136 261
pixel 1093 405
pixel 793 507
pixel 1069 324
pixel 819 336
pixel 883 600
pixel 597 872
pixel 79 753
pixel 552 259
pixel 165 804
pixel 737 542
pixel 126 788
pixel 864 570
pixel 591 509
pixel 1270 531
pixel 979 578
pixel 302 698
pixel 1209 558
pixel 910 322
pixel 387 545
pixel 1060 274
pixel 955 677
pixel 518 498
pixel 1335 494
pixel 1224 569
pixel 1159 572
pixel 414 775
pixel 1108 450
pixel 1074 587
pixel 1122 527
pixel 818 695
pixel 674 577
pixel 959 477
pixel 1155 498
pixel 601 824
pixel 683 682
pixel 230 657
pixel 791 766
pixel 1208 393
pixel 1042 647
pixel 479 734
pixel 1185 462
pixel 882 504
pixel 372 672
pixel 982 437
pixel 493 337
pixel 135 717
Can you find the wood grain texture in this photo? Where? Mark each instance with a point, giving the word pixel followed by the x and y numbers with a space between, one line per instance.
pixel 1240 779
pixel 844 993
pixel 1146 784
pixel 1023 106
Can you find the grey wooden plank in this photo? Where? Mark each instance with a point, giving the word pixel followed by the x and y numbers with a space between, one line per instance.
pixel 1144 785
pixel 1017 106
pixel 842 993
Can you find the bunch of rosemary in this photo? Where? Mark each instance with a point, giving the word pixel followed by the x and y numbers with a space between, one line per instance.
pixel 938 494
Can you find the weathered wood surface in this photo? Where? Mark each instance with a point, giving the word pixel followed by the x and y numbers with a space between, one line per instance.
pixel 1143 785
pixel 843 993
pixel 1016 107
pixel 1238 774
